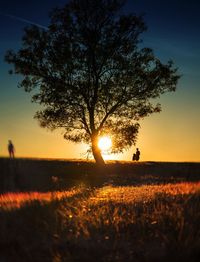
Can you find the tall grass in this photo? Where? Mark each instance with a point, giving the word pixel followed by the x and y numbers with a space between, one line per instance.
pixel 129 223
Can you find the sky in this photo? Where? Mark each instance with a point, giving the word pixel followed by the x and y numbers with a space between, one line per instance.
pixel 172 135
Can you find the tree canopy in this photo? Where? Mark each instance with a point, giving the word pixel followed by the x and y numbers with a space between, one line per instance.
pixel 90 74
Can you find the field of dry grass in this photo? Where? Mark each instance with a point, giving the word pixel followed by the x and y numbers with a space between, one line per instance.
pixel 146 222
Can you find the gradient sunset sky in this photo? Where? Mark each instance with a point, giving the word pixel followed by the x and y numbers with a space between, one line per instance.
pixel 173 33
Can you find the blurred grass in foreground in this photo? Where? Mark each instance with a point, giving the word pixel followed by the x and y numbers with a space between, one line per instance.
pixel 129 223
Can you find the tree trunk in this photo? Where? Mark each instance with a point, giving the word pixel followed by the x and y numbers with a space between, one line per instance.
pixel 96 151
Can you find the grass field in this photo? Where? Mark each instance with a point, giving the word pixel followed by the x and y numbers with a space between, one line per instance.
pixel 148 221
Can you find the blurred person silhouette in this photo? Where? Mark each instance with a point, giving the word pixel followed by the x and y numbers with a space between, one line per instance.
pixel 134 157
pixel 137 154
pixel 11 149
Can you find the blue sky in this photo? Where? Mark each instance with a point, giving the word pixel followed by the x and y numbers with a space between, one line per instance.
pixel 173 33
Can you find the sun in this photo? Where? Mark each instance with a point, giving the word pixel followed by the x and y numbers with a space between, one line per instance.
pixel 105 143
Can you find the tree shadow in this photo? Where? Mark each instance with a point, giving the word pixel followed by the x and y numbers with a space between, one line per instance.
pixel 20 175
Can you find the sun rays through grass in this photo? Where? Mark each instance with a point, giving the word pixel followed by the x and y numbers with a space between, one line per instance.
pixel 17 200
pixel 123 194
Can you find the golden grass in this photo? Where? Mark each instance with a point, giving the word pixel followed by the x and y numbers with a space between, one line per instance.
pixel 128 223
pixel 143 193
pixel 122 194
pixel 17 200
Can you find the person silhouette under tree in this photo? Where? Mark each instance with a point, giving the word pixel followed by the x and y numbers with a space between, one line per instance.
pixel 11 149
pixel 137 154
pixel 134 157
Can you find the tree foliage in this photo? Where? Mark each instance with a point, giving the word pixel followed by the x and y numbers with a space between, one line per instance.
pixel 90 74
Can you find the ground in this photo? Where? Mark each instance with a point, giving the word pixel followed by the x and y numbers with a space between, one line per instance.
pixel 132 214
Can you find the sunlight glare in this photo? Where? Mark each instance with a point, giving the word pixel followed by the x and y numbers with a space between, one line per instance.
pixel 105 143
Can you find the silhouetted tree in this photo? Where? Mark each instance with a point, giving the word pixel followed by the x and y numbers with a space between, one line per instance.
pixel 90 75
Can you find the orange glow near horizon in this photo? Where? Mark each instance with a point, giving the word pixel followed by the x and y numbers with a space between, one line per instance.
pixel 158 140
